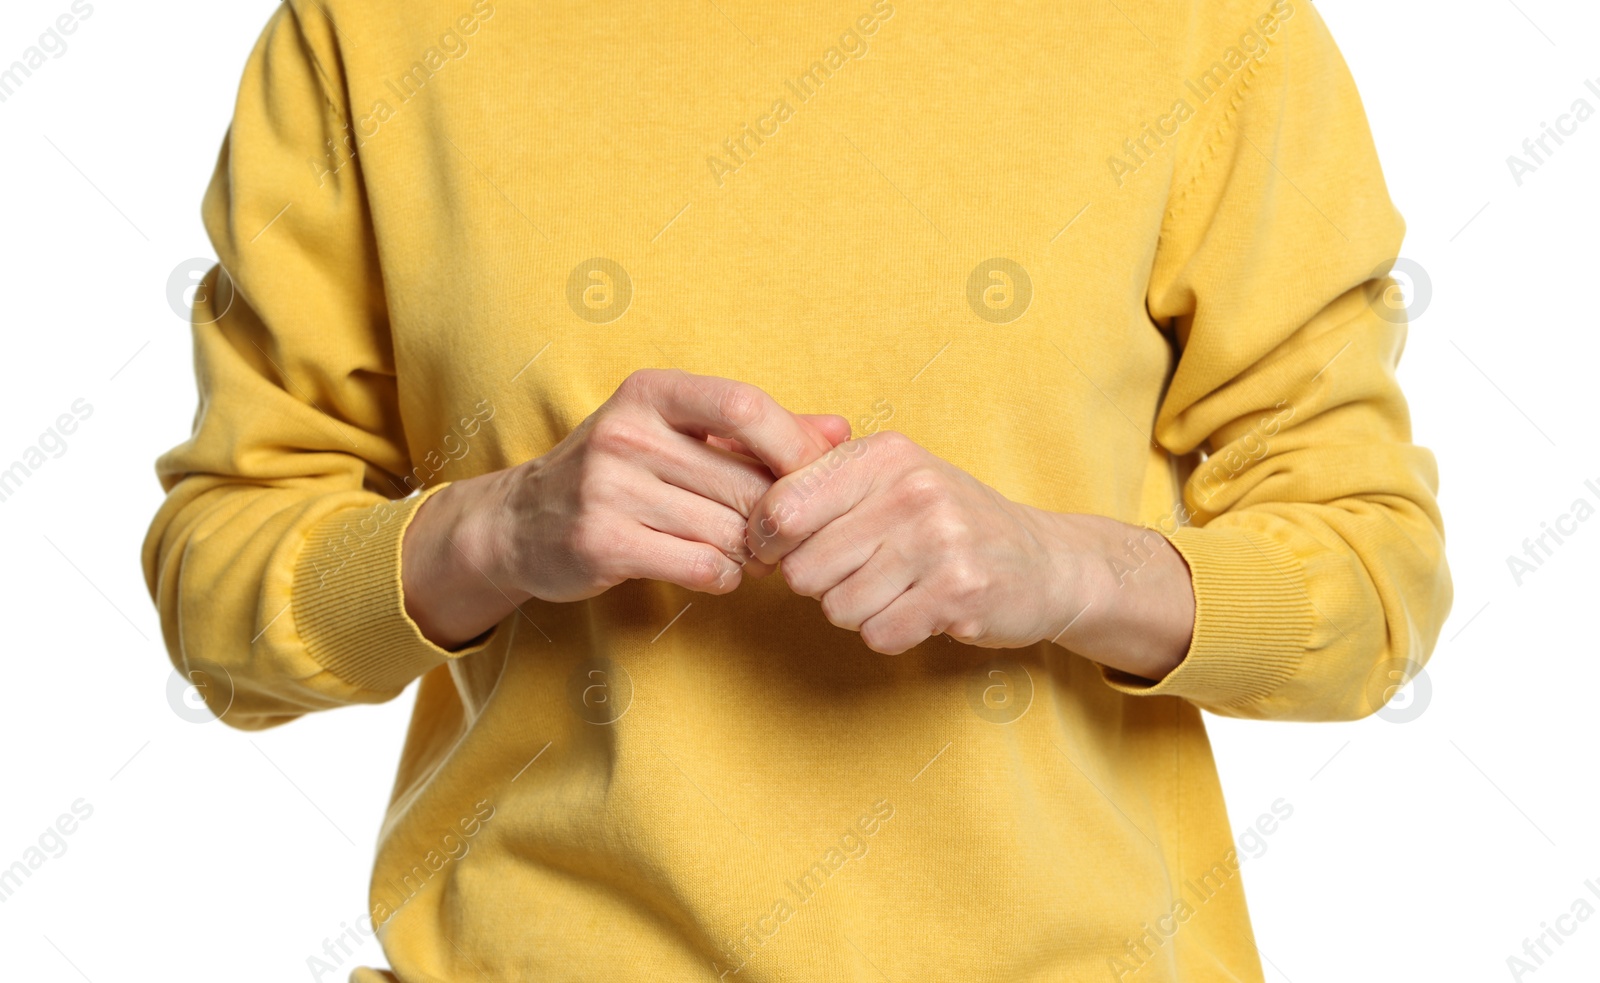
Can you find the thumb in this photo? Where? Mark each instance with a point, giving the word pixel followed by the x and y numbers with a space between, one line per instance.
pixel 832 427
pixel 826 430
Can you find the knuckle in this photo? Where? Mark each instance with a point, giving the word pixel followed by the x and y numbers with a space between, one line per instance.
pixel 965 630
pixel 802 577
pixel 615 433
pixel 596 487
pixel 965 583
pixel 880 638
pixel 770 515
pixel 834 607
pixel 638 381
pixel 922 487
pixel 948 532
pixel 732 537
pixel 704 569
pixel 728 577
pixel 743 492
pixel 893 441
pixel 740 405
pixel 589 542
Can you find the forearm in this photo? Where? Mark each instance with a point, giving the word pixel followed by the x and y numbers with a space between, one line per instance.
pixel 454 589
pixel 1130 601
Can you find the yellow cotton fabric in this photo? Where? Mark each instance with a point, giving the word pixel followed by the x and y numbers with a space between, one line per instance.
pixel 1125 259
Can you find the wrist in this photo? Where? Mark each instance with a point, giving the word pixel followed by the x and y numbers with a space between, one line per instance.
pixel 480 531
pixel 1078 579
pixel 1130 601
pixel 455 585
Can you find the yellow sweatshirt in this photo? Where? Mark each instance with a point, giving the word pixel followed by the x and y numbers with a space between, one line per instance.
pixel 1117 258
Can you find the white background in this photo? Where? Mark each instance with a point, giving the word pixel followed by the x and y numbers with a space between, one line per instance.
pixel 1419 850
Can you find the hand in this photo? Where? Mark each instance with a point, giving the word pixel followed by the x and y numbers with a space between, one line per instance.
pixel 901 545
pixel 655 484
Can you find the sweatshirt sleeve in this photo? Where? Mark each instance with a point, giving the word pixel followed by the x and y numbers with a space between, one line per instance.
pixel 1314 538
pixel 275 557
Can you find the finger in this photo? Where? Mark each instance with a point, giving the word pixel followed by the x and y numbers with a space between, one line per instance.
pixel 729 479
pixel 871 589
pixel 906 623
pixel 643 553
pixel 799 504
pixel 754 569
pixel 698 519
pixel 731 446
pixel 830 555
pixel 831 427
pixel 834 428
pixel 707 406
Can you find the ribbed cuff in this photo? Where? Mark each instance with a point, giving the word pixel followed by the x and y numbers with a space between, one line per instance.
pixel 1252 620
pixel 349 604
